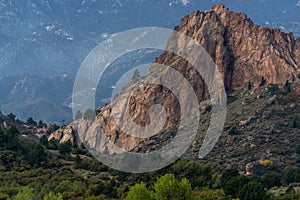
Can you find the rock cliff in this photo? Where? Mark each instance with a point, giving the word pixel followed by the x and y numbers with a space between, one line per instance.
pixel 243 53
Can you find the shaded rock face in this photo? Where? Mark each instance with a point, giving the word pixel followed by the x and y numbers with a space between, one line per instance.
pixel 65 134
pixel 242 52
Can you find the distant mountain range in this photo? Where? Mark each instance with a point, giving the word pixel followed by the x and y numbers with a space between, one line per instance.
pixel 44 42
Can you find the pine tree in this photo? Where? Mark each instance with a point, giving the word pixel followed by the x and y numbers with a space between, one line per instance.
pixel 262 81
pixel 89 114
pixel 136 74
pixel 249 85
pixel 287 86
pixel 78 115
pixel 30 121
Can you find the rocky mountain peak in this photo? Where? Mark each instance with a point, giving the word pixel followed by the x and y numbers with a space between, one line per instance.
pixel 219 8
pixel 242 51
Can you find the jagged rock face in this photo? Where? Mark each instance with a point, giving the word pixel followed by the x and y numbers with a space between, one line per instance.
pixel 242 51
pixel 67 133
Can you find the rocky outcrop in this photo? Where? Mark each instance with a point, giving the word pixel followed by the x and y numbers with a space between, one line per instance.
pixel 242 52
pixel 255 168
pixel 66 133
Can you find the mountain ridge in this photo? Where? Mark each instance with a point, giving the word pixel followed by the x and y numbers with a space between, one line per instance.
pixel 243 52
pixel 42 37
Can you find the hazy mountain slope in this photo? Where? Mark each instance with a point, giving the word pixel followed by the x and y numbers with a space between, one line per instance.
pixel 50 38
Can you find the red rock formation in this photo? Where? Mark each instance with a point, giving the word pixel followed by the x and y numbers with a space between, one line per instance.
pixel 242 51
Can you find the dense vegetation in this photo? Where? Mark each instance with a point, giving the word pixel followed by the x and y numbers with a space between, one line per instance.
pixel 32 169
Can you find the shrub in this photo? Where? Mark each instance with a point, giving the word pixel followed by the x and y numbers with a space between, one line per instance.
pixel 290 175
pixel 267 163
pixel 294 123
pixel 233 186
pixel 38 155
pixel 78 115
pixel 208 194
pixel 271 180
pixel 89 114
pixel 233 131
pixel 44 141
pixel 253 191
pixel 198 174
pixel 4 196
pixel 65 148
pixel 11 117
pixel 31 122
pixel 168 187
pixel 52 196
pixel 274 89
pixel 25 193
pixel 140 191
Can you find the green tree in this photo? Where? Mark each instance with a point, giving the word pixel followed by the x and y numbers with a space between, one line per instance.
pixel 11 117
pixel 3 137
pixel 136 74
pixel 71 189
pixel 25 193
pixel 263 81
pixel 52 196
pixel 78 115
pixel 253 191
pixel 38 155
pixel 198 174
pixel 168 187
pixel 54 127
pixel 31 122
pixel 89 114
pixel 12 138
pixel 41 124
pixel 271 180
pixel 65 148
pixel 82 146
pixel 77 161
pixel 227 175
pixel 44 141
pixel 290 175
pixel 53 144
pixel 101 197
pixel 207 194
pixel 287 86
pixel 4 196
pixel 96 189
pixel 290 190
pixel 140 191
pixel 233 186
pixel 294 123
pixel 249 85
pixel 286 197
